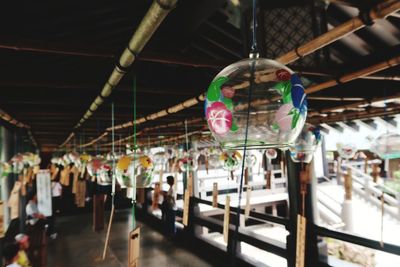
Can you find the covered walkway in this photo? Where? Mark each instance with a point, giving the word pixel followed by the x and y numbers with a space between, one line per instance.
pixel 78 245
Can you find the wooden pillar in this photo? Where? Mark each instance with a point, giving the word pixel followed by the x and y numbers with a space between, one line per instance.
pixel 347 206
pixel 311 250
pixel 98 212
pixel 348 184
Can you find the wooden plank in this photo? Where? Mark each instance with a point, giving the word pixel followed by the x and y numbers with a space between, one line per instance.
pixel 13 201
pixel 2 226
pixel 300 240
pixel 134 248
pixel 226 218
pixel 248 197
pixel 185 219
pixel 190 183
pixel 215 195
pixel 43 184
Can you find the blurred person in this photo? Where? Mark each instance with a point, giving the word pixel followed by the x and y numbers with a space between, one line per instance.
pixel 10 254
pixel 56 192
pixel 23 242
pixel 170 208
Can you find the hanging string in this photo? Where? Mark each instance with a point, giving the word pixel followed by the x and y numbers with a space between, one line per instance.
pixel 252 71
pixel 134 155
pixel 186 136
pixel 119 144
pixel 113 153
pixel 187 151
pixel 254 47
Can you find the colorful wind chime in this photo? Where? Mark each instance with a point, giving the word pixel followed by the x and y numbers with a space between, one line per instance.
pixel 254 103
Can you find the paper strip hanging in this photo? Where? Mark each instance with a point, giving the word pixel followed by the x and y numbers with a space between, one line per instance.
pixel 246 176
pixel 75 172
pixel 185 219
pixel 268 179
pixel 300 240
pixel 140 195
pixel 21 178
pixel 190 184
pixel 226 218
pixel 80 194
pixel 247 208
pixel 215 195
pixel 43 185
pixel 161 175
pixel 134 248
pixel 13 201
pixel 2 230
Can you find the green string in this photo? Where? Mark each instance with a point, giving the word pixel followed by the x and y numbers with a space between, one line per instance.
pixel 134 154
pixel 113 154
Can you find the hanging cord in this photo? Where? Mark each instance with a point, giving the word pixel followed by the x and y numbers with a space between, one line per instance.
pixel 252 70
pixel 113 153
pixel 187 151
pixel 386 149
pixel 112 187
pixel 382 216
pixel 134 155
pixel 186 136
pixel 254 47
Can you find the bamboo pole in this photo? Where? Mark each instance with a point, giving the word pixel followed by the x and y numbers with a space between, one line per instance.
pixel 355 74
pixel 108 232
pixel 150 23
pixel 379 112
pixel 353 105
pixel 380 11
pixel 5 116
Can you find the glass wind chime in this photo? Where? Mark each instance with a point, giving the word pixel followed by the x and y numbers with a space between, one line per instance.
pixel 258 103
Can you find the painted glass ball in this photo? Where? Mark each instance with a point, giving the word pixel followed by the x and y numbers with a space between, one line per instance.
pixel 346 151
pixel 278 105
pixel 271 153
pixel 231 160
pixel 306 143
pixel 137 170
pixel 387 146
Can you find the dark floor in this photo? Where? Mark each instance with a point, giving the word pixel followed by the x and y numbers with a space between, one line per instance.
pixel 77 245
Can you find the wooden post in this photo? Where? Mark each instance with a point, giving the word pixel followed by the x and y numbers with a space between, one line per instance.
pixel 226 218
pixel 311 242
pixel 98 212
pixel 348 184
